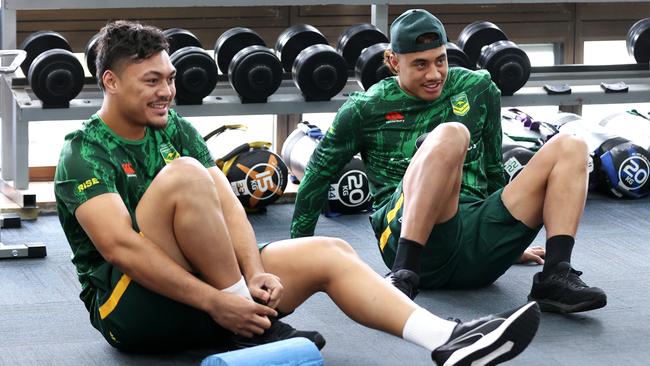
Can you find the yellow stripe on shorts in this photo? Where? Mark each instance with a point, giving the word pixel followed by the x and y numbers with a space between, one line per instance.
pixel 390 216
pixel 107 308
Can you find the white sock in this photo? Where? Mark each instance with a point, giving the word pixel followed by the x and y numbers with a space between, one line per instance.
pixel 239 288
pixel 427 330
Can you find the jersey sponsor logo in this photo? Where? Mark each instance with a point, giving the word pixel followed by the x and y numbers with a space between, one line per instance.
pixel 128 169
pixel 168 153
pixel 87 184
pixel 460 104
pixel 394 117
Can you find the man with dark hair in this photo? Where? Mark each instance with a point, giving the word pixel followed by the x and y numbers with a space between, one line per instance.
pixel 167 258
pixel 443 216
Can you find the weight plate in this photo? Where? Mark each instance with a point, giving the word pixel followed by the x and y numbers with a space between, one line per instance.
pixel 370 67
pixel 355 39
pixel 319 72
pixel 196 74
pixel 456 57
pixel 508 65
pixel 56 77
pixel 231 42
pixel 255 73
pixel 476 35
pixel 638 41
pixel 39 42
pixel 295 39
pixel 90 54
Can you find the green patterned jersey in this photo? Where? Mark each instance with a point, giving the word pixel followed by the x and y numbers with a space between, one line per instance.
pixel 94 160
pixel 383 124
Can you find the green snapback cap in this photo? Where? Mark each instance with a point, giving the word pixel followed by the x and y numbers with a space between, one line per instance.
pixel 410 25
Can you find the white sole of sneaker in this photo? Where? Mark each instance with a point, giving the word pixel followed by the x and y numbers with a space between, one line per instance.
pixel 505 346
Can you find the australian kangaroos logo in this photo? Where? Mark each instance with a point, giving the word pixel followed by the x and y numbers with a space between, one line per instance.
pixel 168 153
pixel 460 104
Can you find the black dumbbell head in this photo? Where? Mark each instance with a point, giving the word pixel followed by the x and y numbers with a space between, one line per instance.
pixel 355 39
pixel 39 42
pixel 255 73
pixel 90 53
pixel 456 57
pixel 231 42
pixel 508 65
pixel 477 35
pixel 370 67
pixel 638 41
pixel 179 38
pixel 295 39
pixel 56 77
pixel 319 72
pixel 196 74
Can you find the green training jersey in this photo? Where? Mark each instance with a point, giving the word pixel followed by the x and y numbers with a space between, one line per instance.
pixel 94 160
pixel 383 124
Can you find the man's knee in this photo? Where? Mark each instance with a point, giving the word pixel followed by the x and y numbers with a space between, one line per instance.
pixel 447 144
pixel 331 248
pixel 568 147
pixel 180 173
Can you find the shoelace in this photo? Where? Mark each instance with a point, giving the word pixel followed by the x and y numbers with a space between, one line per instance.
pixel 572 277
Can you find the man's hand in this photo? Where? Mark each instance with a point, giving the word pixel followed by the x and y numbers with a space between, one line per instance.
pixel 266 288
pixel 533 254
pixel 241 315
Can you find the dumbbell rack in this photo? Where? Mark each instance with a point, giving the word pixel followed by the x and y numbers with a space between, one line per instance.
pixel 18 105
pixel 585 82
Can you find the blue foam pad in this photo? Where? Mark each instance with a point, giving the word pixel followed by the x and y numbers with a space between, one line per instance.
pixel 289 352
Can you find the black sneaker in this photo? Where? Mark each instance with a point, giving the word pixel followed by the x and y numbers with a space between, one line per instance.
pixel 405 280
pixel 277 332
pixel 562 291
pixel 490 340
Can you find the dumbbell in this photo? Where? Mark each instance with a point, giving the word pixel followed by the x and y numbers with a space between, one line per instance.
pixel 317 69
pixel 638 41
pixel 456 57
pixel 353 40
pixel 362 46
pixel 254 71
pixel 257 176
pixel 90 53
pixel 487 47
pixel 196 71
pixel 370 67
pixel 349 191
pixel 620 167
pixel 54 73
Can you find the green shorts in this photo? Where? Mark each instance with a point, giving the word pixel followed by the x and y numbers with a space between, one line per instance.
pixel 132 318
pixel 472 249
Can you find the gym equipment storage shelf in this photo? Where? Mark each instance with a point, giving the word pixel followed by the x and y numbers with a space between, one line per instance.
pixel 223 100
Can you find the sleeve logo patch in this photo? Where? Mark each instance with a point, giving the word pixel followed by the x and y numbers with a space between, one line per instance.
pixel 87 184
pixel 460 104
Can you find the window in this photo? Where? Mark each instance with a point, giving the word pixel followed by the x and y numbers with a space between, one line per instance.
pixel 541 54
pixel 616 53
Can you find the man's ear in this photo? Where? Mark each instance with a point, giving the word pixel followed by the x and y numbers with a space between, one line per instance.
pixel 394 61
pixel 109 79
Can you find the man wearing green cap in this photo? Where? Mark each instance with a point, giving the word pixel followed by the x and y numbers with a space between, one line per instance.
pixel 444 216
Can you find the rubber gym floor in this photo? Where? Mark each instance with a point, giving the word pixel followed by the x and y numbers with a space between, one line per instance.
pixel 43 322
